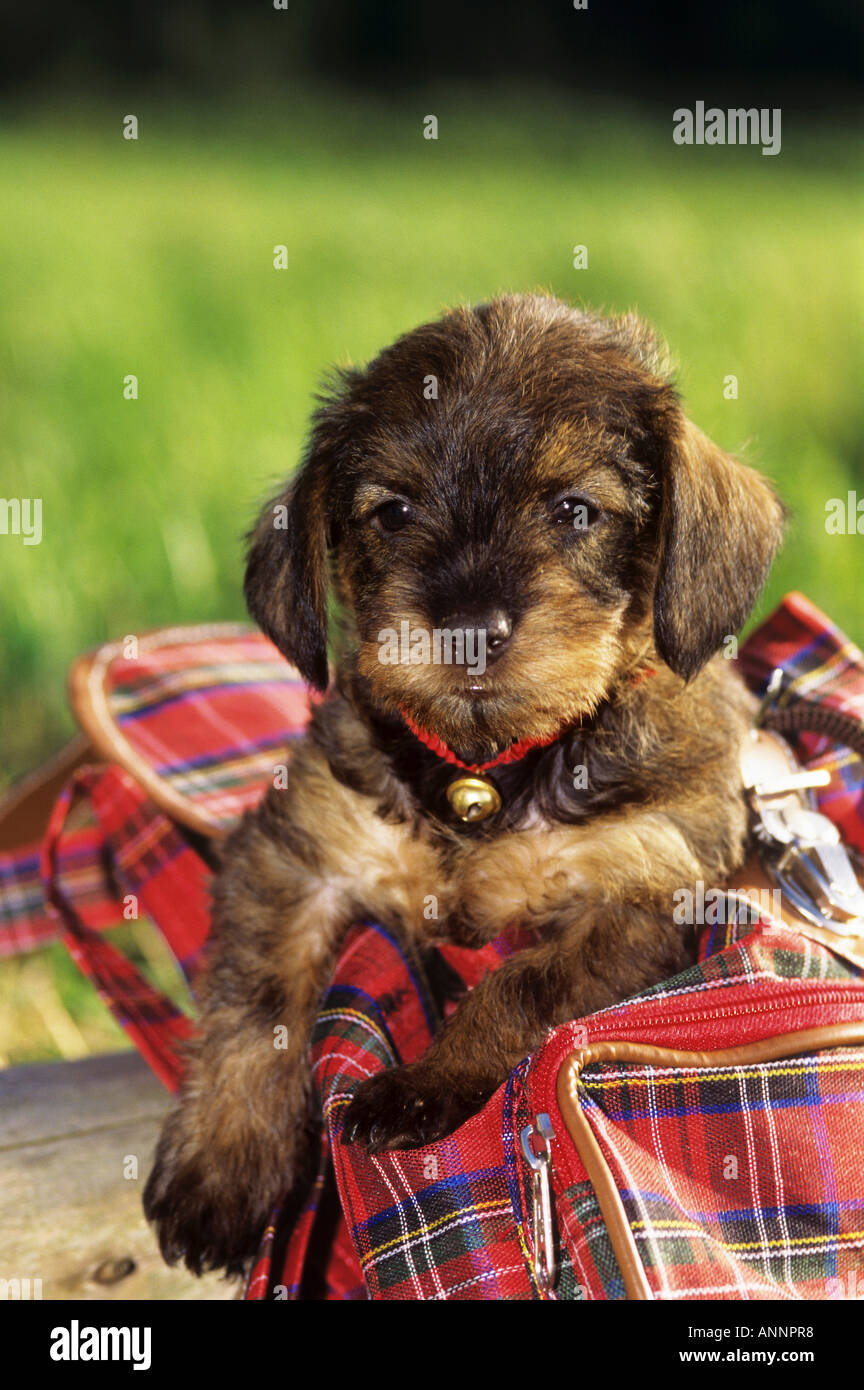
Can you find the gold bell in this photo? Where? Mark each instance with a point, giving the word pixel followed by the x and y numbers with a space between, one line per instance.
pixel 473 798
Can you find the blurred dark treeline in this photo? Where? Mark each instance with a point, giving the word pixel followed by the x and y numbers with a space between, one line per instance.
pixel 750 50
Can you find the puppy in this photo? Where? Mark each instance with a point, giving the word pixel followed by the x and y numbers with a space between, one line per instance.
pixel 523 472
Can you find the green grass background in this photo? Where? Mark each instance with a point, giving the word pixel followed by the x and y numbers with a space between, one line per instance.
pixel 155 258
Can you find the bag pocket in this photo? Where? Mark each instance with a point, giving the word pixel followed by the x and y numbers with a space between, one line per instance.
pixel 728 1174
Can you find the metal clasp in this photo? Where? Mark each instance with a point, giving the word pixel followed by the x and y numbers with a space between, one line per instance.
pixel 803 853
pixel 800 848
pixel 535 1146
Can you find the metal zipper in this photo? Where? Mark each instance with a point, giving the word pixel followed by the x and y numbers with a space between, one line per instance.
pixel 790 1000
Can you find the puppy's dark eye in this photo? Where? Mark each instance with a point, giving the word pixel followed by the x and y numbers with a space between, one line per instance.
pixel 576 512
pixel 393 515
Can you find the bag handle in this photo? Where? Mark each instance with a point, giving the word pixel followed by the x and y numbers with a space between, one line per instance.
pixel 808 717
pixel 89 704
pixel 152 1021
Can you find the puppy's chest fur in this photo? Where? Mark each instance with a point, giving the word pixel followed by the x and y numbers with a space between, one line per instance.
pixel 661 808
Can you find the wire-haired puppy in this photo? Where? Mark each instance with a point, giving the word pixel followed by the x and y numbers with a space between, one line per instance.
pixel 517 478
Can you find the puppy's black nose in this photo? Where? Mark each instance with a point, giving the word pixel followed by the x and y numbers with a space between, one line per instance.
pixel 496 624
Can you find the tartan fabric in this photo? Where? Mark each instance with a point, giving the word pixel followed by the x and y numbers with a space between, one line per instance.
pixel 435 1222
pixel 342 1275
pixel 210 715
pixel 210 711
pixel 25 921
pixel 145 856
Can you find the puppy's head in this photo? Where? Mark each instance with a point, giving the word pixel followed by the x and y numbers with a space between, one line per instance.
pixel 522 474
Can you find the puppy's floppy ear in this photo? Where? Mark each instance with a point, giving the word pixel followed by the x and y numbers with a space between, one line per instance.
pixel 286 573
pixel 720 526
pixel 287 569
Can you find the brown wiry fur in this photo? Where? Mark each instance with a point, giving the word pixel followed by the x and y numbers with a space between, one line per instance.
pixel 535 400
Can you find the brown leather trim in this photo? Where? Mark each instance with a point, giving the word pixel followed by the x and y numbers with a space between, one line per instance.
pixel 643 1054
pixel 751 880
pixel 25 808
pixel 86 686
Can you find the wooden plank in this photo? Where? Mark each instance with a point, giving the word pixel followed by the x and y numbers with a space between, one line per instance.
pixel 76 1144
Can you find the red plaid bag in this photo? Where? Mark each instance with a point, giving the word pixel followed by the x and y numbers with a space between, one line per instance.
pixel 699 1141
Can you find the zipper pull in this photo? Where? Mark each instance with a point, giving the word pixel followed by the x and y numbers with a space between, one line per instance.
pixel 535 1146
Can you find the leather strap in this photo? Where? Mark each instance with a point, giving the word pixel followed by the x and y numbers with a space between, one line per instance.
pixel 24 811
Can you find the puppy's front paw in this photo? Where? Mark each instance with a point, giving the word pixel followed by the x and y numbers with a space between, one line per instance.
pixel 406 1107
pixel 208 1206
pixel 196 1224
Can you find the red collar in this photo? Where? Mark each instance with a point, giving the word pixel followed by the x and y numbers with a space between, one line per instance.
pixel 513 754
pixel 510 755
